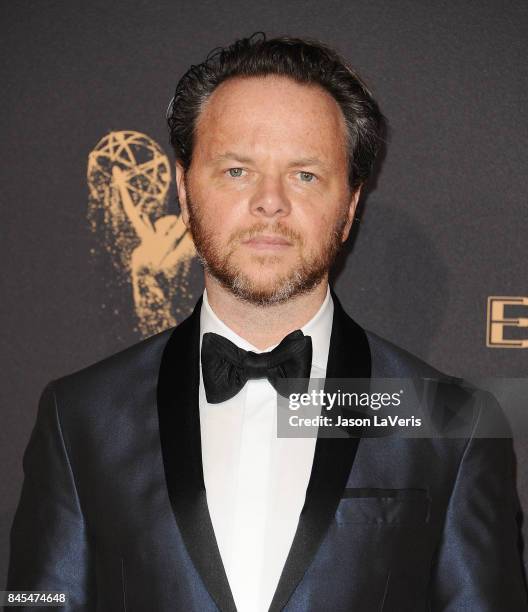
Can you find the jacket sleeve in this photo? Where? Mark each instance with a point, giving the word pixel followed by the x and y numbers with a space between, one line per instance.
pixel 49 543
pixel 479 565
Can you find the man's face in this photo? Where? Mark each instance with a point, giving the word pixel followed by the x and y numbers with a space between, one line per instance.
pixel 266 197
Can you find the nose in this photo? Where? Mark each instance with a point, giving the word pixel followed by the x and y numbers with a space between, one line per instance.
pixel 270 198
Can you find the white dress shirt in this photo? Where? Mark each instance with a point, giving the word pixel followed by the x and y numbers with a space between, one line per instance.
pixel 256 482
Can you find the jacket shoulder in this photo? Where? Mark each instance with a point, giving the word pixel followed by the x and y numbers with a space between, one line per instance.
pixel 121 370
pixel 454 394
pixel 392 361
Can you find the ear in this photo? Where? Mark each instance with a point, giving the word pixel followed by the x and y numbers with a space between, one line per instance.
pixel 182 193
pixel 351 212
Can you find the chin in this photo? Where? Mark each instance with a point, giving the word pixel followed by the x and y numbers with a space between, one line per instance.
pixel 266 280
pixel 258 287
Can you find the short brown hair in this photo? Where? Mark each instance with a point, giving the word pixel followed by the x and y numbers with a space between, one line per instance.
pixel 303 60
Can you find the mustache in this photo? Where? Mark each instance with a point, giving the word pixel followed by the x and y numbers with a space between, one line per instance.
pixel 255 230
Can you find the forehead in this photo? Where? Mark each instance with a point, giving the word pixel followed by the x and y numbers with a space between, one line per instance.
pixel 271 115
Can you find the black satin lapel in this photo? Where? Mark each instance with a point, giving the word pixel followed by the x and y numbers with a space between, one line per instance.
pixel 179 424
pixel 349 357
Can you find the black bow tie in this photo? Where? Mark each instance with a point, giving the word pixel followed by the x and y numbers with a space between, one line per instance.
pixel 226 368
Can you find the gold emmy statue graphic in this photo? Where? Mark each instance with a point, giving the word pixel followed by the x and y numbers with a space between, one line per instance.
pixel 129 178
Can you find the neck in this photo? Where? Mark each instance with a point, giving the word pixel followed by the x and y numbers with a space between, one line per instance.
pixel 264 326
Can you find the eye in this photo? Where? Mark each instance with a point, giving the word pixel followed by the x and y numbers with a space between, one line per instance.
pixel 307 177
pixel 235 172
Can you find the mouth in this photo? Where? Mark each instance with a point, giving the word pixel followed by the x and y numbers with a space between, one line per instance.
pixel 267 242
pixel 272 242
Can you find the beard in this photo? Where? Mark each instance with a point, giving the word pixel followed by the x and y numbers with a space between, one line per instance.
pixel 301 278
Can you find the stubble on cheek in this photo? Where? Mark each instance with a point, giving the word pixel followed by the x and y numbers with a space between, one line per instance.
pixel 266 283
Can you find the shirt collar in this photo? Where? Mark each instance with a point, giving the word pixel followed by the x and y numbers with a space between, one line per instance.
pixel 319 328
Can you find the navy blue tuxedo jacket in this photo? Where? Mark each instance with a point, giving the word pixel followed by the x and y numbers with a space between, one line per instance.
pixel 113 508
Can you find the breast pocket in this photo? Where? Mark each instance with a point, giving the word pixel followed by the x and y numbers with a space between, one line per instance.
pixel 384 506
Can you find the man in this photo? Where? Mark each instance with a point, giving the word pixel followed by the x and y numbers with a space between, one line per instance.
pixel 154 480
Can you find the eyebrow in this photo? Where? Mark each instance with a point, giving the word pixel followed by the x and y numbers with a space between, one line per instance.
pixel 232 156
